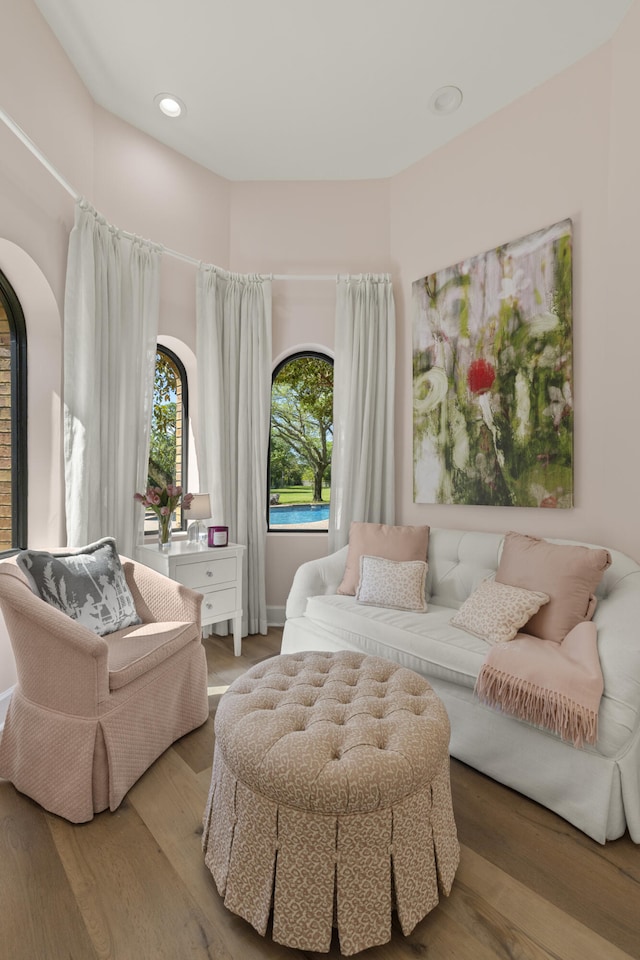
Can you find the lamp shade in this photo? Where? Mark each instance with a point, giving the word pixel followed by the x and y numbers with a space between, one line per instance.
pixel 200 508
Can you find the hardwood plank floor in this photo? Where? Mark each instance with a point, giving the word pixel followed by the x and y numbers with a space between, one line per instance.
pixel 132 885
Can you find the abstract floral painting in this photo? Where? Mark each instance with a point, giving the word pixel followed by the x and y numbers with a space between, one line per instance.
pixel 492 376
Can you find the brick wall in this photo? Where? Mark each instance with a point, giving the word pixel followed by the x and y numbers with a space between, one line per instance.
pixel 5 432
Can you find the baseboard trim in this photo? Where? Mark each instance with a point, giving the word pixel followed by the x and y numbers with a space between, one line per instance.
pixel 5 696
pixel 275 616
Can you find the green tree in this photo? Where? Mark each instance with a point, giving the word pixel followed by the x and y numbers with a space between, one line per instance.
pixel 162 446
pixel 302 415
pixel 284 466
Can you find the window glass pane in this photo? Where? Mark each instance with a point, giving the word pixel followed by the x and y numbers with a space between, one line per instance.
pixel 300 443
pixel 13 420
pixel 167 447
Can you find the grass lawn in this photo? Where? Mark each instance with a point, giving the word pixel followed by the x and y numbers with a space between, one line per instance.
pixel 300 494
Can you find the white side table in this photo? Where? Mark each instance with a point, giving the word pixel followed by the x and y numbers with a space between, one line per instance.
pixel 215 572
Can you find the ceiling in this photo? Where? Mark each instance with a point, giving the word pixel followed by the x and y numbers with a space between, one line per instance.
pixel 310 90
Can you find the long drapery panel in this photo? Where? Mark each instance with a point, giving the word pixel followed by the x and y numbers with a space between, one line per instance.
pixel 362 466
pixel 233 347
pixel 110 332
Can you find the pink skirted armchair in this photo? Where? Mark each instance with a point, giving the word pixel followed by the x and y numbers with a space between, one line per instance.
pixel 91 713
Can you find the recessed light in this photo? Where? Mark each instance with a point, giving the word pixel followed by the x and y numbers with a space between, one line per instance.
pixel 170 105
pixel 446 99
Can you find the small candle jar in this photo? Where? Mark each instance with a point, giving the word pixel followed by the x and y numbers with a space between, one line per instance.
pixel 218 536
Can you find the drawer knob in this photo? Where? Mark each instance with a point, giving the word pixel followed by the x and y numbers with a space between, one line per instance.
pixel 209 606
pixel 209 573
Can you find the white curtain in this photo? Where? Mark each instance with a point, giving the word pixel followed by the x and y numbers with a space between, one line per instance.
pixel 233 348
pixel 110 331
pixel 362 465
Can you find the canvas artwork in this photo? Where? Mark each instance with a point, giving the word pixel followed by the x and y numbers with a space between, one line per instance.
pixel 492 376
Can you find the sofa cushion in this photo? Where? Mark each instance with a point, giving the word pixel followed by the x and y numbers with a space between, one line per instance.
pixel 88 584
pixel 381 540
pixel 496 611
pixel 432 646
pixel 458 561
pixel 569 574
pixel 136 650
pixel 426 643
pixel 392 583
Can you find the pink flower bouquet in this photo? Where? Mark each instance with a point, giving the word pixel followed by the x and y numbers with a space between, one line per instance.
pixel 163 501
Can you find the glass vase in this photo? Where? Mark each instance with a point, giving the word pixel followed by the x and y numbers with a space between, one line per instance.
pixel 164 534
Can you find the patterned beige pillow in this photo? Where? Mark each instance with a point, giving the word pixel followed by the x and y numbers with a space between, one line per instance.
pixel 399 584
pixel 496 611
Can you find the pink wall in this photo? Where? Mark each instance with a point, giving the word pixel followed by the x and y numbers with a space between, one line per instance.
pixel 308 229
pixel 543 158
pixel 616 376
pixel 150 190
pixel 36 215
pixel 570 148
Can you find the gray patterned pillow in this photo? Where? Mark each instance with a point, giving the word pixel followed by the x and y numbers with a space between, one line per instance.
pixel 399 584
pixel 88 584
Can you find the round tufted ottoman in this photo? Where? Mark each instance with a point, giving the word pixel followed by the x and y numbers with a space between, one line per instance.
pixel 330 800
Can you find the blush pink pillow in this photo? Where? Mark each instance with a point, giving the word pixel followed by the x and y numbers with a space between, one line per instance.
pixel 381 540
pixel 568 574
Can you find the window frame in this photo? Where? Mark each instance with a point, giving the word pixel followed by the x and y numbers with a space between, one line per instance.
pixel 19 419
pixel 295 355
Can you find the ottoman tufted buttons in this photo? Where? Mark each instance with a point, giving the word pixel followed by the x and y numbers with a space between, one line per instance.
pixel 333 760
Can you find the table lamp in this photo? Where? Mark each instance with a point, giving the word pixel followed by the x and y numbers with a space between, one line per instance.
pixel 199 510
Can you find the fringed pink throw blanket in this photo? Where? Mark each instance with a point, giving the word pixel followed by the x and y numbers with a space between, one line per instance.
pixel 553 685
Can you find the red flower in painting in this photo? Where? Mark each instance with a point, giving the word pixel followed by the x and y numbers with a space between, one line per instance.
pixel 480 376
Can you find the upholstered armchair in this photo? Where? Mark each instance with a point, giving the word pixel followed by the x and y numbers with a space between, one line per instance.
pixel 89 713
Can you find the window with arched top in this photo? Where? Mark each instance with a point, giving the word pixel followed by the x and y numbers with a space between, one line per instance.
pixel 168 443
pixel 300 443
pixel 13 420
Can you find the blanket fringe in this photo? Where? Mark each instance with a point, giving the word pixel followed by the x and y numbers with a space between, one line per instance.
pixel 545 708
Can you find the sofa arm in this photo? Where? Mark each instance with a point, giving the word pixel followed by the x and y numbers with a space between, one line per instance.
pixel 315 578
pixel 60 663
pixel 617 618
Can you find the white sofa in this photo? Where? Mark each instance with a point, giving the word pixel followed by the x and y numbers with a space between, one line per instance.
pixel 597 788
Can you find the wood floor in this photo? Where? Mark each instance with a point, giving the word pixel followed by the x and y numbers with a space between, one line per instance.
pixel 132 885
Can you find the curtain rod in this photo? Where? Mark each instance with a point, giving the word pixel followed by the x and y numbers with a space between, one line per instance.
pixel 30 145
pixel 39 155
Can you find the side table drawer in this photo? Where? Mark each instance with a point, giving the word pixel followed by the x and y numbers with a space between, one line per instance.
pixel 216 603
pixel 197 575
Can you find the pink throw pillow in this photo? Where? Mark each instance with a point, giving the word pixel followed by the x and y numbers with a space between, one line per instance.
pixel 568 574
pixel 381 540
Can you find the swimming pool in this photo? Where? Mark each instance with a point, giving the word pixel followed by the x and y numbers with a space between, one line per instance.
pixel 295 513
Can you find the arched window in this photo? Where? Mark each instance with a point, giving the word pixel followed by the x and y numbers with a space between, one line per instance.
pixel 300 443
pixel 13 420
pixel 169 429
